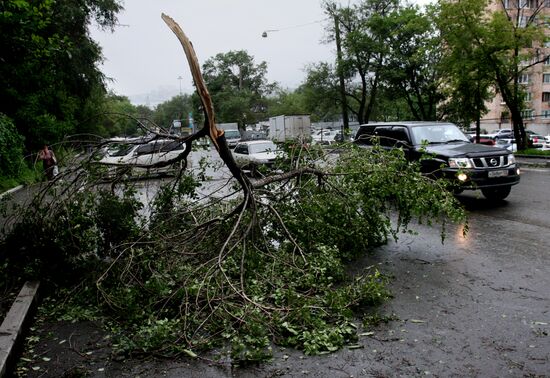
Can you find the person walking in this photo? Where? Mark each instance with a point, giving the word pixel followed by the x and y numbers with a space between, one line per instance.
pixel 49 161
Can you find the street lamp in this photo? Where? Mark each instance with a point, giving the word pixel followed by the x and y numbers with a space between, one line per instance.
pixel 264 34
pixel 180 79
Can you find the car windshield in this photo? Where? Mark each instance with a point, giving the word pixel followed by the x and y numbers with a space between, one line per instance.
pixel 434 134
pixel 119 149
pixel 262 147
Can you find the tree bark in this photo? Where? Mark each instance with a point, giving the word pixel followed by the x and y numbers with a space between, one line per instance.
pixel 216 135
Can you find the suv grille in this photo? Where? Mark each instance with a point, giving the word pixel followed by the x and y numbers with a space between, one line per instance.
pixel 491 162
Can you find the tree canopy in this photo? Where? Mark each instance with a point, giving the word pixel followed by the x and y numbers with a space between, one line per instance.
pixel 496 45
pixel 48 65
pixel 238 87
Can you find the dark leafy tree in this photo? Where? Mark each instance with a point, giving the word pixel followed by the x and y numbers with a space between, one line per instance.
pixel 177 108
pixel 238 86
pixel 11 148
pixel 363 51
pixel 320 92
pixel 287 102
pixel 48 70
pixel 411 64
pixel 502 42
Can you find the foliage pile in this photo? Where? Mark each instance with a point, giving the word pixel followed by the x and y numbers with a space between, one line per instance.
pixel 192 274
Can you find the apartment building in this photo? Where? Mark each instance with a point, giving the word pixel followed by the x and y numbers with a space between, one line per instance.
pixel 535 80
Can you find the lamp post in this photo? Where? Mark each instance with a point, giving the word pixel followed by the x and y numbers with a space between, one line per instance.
pixel 180 79
pixel 264 34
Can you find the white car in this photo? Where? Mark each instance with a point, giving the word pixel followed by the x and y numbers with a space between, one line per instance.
pixel 501 133
pixel 138 155
pixel 325 136
pixel 508 143
pixel 255 152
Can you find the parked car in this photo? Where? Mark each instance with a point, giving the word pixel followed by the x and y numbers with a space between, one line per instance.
pixel 486 140
pixel 339 137
pixel 232 137
pixel 535 140
pixel 468 165
pixel 142 156
pixel 324 136
pixel 501 133
pixel 253 153
pixel 508 143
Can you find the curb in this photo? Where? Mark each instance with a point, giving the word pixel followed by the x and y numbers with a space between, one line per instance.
pixel 534 163
pixel 11 190
pixel 12 326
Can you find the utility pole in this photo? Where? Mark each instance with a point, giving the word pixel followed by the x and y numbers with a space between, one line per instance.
pixel 345 117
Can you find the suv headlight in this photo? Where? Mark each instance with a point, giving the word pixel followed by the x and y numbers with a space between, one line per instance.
pixel 511 159
pixel 460 163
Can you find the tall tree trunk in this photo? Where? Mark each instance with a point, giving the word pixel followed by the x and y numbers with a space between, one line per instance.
pixel 512 102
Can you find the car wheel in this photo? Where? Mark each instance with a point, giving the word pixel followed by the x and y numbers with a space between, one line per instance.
pixel 496 194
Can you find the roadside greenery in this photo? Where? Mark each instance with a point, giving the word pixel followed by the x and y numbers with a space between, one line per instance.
pixel 11 148
pixel 392 63
pixel 187 275
pixel 535 152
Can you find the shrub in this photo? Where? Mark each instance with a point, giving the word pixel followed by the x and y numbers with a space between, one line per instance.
pixel 11 148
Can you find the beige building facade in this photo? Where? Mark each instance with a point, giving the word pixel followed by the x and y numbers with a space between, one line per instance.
pixel 535 80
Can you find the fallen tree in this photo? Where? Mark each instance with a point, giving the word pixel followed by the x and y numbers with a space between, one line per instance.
pixel 261 262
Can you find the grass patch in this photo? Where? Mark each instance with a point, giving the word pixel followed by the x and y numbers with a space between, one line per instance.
pixel 27 176
pixel 534 152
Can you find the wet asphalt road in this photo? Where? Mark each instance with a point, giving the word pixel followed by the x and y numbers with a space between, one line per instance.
pixel 475 306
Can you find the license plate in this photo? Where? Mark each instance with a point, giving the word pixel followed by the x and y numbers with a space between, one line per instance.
pixel 499 173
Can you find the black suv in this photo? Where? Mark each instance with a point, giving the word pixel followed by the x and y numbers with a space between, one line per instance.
pixel 444 151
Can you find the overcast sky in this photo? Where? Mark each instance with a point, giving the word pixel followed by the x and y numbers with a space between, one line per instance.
pixel 143 56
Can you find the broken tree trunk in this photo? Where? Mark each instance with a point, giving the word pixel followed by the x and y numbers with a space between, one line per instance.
pixel 216 135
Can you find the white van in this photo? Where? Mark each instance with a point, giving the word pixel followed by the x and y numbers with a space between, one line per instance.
pixel 232 137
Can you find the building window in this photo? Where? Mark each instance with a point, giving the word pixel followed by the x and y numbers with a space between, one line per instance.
pixel 526 4
pixel 528 114
pixel 545 96
pixel 525 78
pixel 546 78
pixel 529 96
pixel 526 62
pixel 547 61
pixel 546 114
pixel 547 3
pixel 523 21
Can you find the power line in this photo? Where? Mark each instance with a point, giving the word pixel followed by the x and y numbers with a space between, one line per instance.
pixel 264 34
